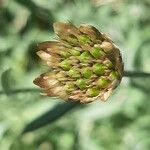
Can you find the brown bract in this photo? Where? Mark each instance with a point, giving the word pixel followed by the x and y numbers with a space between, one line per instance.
pixel 86 65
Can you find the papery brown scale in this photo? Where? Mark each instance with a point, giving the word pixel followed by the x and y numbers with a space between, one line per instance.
pixel 116 59
pixel 51 47
pixel 46 55
pixel 114 55
pixel 51 86
pixel 52 60
pixel 54 91
pixel 47 44
pixel 43 55
pixel 91 31
pixel 46 80
pixel 66 29
pixel 80 95
pixel 86 47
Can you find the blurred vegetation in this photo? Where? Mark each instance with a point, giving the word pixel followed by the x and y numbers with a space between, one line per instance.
pixel 122 123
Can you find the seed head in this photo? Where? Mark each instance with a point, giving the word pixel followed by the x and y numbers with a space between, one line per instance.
pixel 86 64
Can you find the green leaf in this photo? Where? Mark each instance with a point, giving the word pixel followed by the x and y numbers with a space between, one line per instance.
pixel 6 81
pixel 50 116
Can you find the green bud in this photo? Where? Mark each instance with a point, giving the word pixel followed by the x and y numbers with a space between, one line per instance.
pixel 84 57
pixel 113 75
pixel 75 52
pixel 97 52
pixel 92 92
pixel 65 64
pixel 87 73
pixel 74 73
pixel 99 69
pixel 103 82
pixel 109 64
pixel 84 39
pixel 81 83
pixel 72 40
pixel 69 87
pixel 65 54
pixel 84 64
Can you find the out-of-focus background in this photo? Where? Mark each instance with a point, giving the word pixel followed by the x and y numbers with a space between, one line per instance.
pixel 121 123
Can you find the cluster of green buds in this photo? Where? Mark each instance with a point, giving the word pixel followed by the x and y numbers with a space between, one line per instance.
pixel 85 64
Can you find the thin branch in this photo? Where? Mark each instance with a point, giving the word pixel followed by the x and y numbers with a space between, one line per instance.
pixel 135 74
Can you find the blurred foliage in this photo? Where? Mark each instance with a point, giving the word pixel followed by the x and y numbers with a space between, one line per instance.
pixel 121 123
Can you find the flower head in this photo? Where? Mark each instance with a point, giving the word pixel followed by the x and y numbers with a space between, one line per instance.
pixel 86 64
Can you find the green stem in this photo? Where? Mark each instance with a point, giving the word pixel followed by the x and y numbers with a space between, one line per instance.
pixel 23 90
pixel 135 74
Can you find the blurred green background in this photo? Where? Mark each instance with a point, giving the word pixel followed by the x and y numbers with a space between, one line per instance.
pixel 122 123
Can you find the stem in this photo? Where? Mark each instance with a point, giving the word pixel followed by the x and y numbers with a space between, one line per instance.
pixel 130 74
pixel 23 90
pixel 135 74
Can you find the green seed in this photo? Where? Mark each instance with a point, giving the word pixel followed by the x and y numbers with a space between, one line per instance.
pixel 84 64
pixel 84 39
pixel 65 54
pixel 81 83
pixel 87 73
pixel 69 87
pixel 97 52
pixel 74 73
pixel 72 40
pixel 114 75
pixel 92 92
pixel 109 64
pixel 103 82
pixel 66 65
pixel 99 69
pixel 75 52
pixel 84 57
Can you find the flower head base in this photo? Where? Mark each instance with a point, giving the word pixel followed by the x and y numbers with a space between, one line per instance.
pixel 86 65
